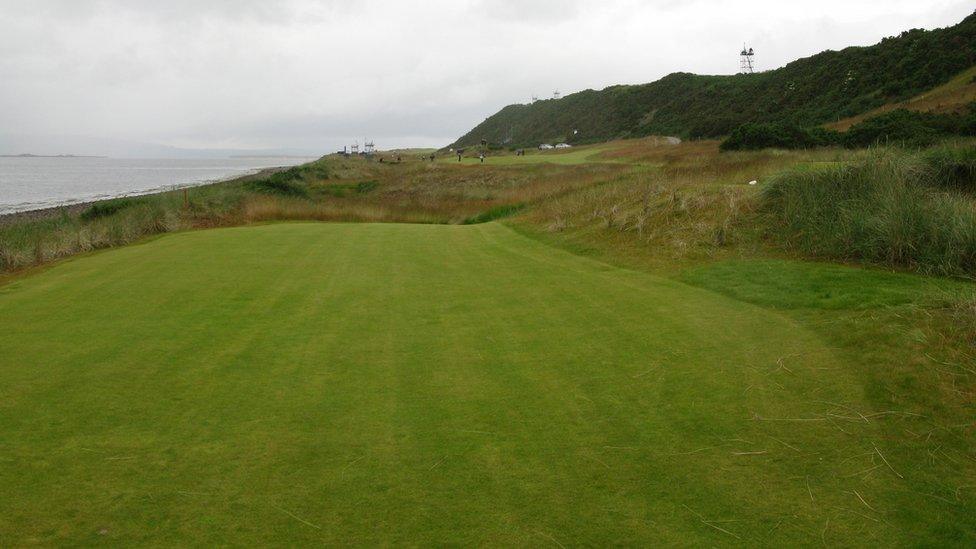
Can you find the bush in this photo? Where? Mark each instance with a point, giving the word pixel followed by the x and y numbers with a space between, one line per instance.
pixel 880 210
pixel 779 136
pixel 903 128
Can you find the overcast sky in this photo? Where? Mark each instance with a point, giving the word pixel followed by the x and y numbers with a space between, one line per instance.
pixel 319 73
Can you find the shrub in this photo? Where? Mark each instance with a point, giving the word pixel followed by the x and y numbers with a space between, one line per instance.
pixel 903 128
pixel 778 135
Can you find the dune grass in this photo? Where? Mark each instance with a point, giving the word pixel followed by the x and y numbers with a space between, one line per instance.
pixel 331 189
pixel 429 384
pixel 888 209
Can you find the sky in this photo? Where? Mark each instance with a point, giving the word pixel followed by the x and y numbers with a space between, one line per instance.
pixel 317 74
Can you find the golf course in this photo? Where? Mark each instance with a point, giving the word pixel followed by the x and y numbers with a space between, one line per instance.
pixel 379 384
pixel 304 298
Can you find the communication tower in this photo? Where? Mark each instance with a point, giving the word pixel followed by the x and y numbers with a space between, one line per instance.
pixel 747 60
pixel 370 147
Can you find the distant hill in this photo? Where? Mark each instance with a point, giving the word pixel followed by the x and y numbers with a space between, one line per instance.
pixel 825 88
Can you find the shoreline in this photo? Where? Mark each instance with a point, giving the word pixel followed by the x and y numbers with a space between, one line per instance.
pixel 74 208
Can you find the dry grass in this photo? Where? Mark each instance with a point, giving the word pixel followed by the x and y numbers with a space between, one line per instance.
pixel 264 208
pixel 354 191
pixel 679 201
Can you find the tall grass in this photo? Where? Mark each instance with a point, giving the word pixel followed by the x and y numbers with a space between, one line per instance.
pixel 952 167
pixel 882 209
pixel 331 189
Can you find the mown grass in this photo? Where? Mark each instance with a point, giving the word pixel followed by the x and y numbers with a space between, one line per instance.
pixel 362 384
pixel 571 157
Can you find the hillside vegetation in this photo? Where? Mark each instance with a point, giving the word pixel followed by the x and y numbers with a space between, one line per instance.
pixel 950 98
pixel 824 88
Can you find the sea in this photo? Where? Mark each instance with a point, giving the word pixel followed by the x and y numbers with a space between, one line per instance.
pixel 33 183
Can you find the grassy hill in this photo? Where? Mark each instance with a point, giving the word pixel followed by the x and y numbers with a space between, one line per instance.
pixel 824 88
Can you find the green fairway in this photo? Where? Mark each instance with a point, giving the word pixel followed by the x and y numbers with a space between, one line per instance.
pixel 425 384
pixel 563 157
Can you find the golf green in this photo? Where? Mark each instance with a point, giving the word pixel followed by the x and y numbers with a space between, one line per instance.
pixel 364 384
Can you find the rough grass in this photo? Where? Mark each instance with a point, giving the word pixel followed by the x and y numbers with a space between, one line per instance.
pixel 952 167
pixel 881 209
pixel 298 384
pixel 678 202
pixel 107 208
pixel 332 189
pixel 493 214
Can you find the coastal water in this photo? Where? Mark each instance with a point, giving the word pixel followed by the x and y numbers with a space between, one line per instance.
pixel 31 183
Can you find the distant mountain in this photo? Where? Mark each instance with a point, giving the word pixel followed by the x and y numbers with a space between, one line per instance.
pixel 816 90
pixel 68 145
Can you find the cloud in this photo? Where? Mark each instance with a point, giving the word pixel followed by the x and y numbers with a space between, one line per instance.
pixel 315 73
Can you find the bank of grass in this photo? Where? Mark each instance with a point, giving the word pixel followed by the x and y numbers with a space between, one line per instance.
pixel 331 189
pixel 893 208
pixel 116 223
pixel 686 202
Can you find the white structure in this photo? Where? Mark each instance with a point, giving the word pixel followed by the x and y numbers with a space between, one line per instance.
pixel 747 61
pixel 545 147
pixel 564 146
